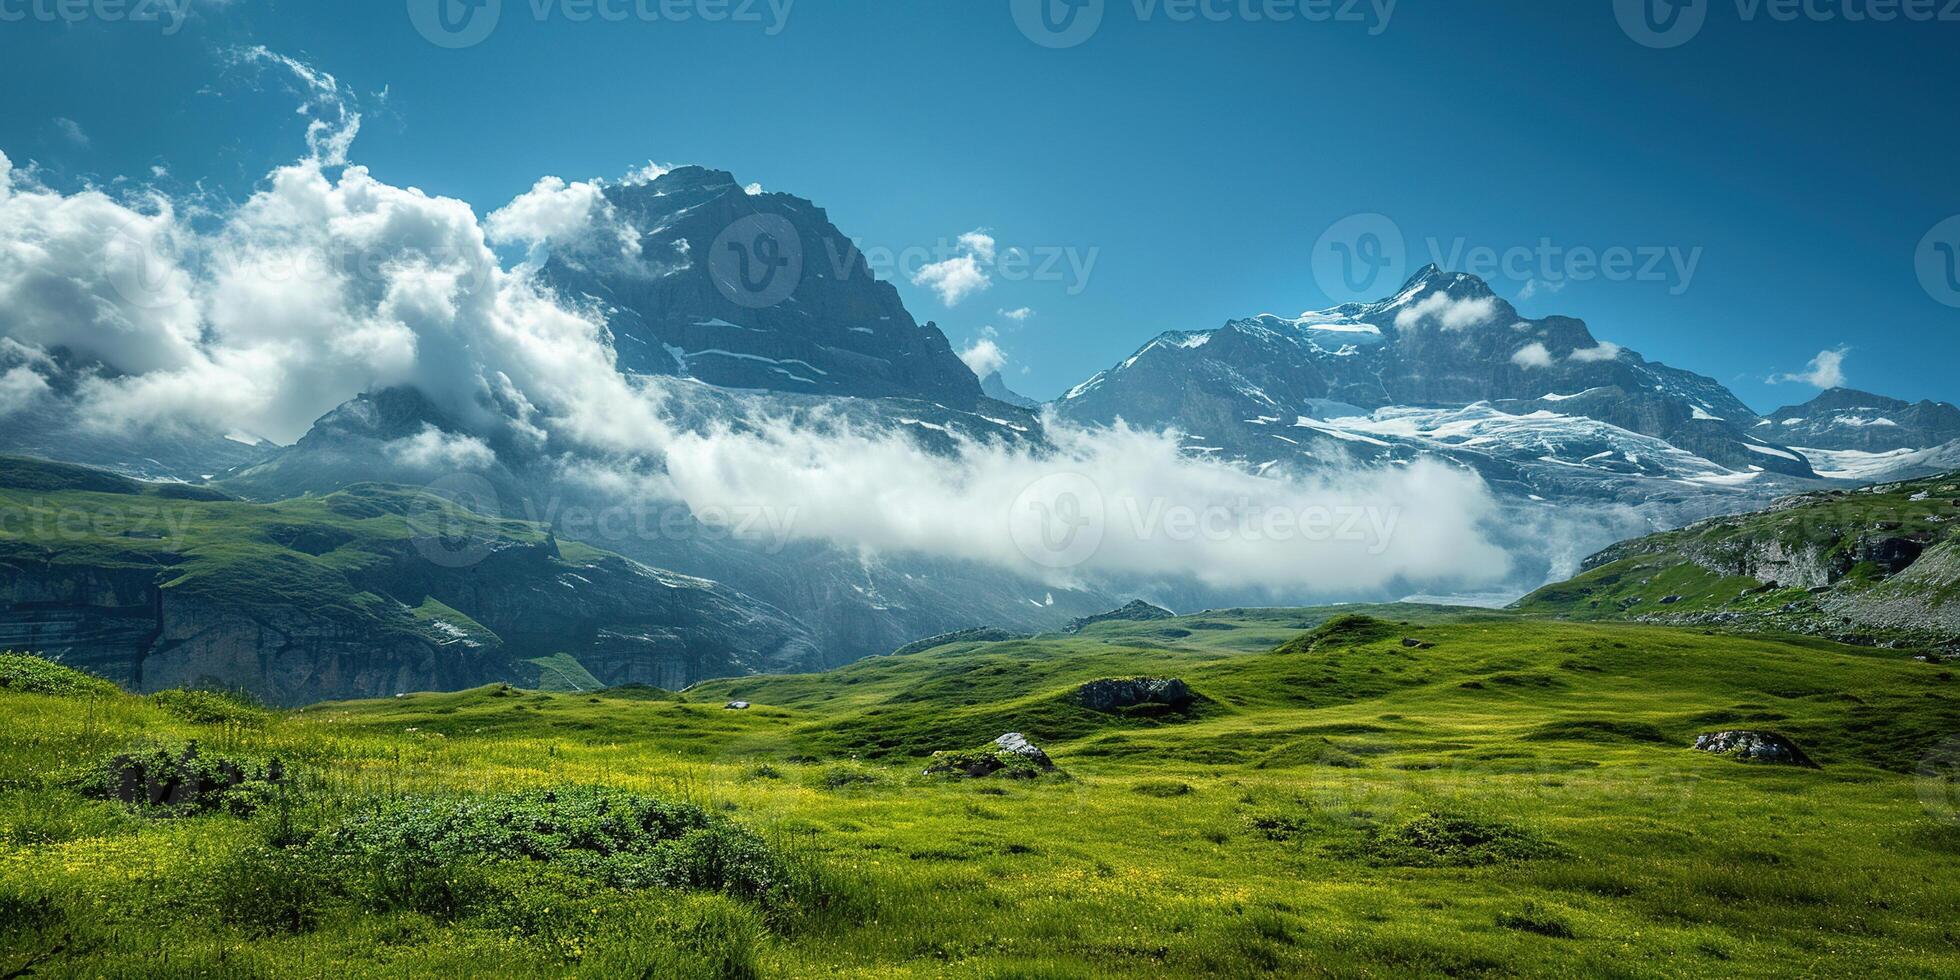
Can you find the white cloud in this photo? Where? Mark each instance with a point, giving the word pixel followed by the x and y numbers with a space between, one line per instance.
pixel 887 493
pixel 71 131
pixel 964 274
pixel 1532 355
pixel 647 174
pixel 984 357
pixel 311 291
pixel 1017 315
pixel 433 448
pixel 334 123
pixel 1826 370
pixel 572 219
pixel 1533 286
pixel 753 190
pixel 1606 351
pixel 19 388
pixel 247 321
pixel 980 244
pixel 1448 313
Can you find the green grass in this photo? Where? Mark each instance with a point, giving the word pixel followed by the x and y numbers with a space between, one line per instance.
pixel 1690 575
pixel 1506 796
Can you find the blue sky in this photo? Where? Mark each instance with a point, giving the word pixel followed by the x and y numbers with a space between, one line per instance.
pixel 1197 162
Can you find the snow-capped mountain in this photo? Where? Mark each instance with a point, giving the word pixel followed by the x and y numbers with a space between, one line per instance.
pixel 1847 420
pixel 1444 367
pixel 753 290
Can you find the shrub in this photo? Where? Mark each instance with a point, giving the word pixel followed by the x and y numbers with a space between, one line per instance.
pixel 1536 920
pixel 1162 789
pixel 37 675
pixel 437 856
pixel 840 777
pixel 210 707
pixel 1437 839
pixel 167 781
pixel 270 890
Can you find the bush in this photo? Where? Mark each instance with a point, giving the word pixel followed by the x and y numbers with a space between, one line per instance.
pixel 1451 840
pixel 209 707
pixel 170 782
pixel 1536 920
pixel 437 856
pixel 270 890
pixel 36 675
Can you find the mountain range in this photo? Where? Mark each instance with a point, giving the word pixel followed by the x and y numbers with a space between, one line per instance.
pixel 747 306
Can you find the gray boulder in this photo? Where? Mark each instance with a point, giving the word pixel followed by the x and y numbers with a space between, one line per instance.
pixel 1748 746
pixel 1112 694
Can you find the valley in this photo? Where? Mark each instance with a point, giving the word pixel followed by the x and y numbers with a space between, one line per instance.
pixel 1395 789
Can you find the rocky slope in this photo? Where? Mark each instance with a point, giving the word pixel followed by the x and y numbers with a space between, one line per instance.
pixel 755 291
pixel 1879 565
pixel 366 592
pixel 1847 420
pixel 1382 381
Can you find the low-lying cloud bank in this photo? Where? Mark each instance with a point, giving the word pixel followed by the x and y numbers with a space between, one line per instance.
pixel 328 282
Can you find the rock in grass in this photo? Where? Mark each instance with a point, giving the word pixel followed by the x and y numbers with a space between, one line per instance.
pixel 1754 747
pixel 1138 611
pixel 1112 694
pixel 1011 754
pixel 736 706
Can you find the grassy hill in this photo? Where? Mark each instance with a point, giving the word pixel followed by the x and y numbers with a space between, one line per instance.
pixel 1877 566
pixel 1418 792
pixel 368 591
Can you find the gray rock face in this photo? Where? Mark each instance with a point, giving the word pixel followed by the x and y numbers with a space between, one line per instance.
pixel 1842 418
pixel 1496 391
pixel 1749 746
pixel 240 598
pixel 1114 694
pixel 995 387
pixel 755 291
pixel 1018 744
pixel 1137 611
pixel 978 634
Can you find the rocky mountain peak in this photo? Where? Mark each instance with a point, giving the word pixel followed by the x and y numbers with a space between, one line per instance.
pixel 757 291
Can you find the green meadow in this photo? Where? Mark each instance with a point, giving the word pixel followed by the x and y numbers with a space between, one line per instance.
pixel 1416 792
